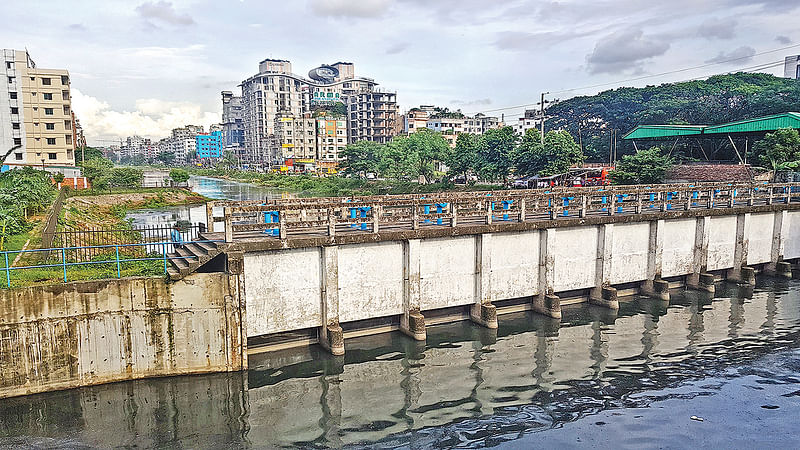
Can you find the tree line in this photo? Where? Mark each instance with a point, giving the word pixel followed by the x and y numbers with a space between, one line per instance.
pixel 492 156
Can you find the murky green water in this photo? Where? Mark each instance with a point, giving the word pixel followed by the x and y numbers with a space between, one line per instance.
pixel 631 379
pixel 214 188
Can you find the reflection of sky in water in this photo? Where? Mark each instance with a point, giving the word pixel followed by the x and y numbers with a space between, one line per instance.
pixel 232 190
pixel 209 187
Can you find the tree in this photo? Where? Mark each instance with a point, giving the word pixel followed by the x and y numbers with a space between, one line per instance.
pixel 464 158
pixel 778 148
pixel 423 148
pixel 361 158
pixel 646 166
pixel 229 159
pixel 179 175
pixel 395 161
pixel 88 152
pixel 166 158
pixel 495 153
pixel 556 155
pixel 129 177
pixel 93 169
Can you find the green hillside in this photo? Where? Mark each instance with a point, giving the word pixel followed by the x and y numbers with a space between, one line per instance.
pixel 719 99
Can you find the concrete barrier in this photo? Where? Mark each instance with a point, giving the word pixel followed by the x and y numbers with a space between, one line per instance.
pixel 84 333
pixel 323 284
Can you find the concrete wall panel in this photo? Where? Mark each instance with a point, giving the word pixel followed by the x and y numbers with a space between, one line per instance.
pixel 79 334
pixel 759 246
pixel 515 265
pixel 447 272
pixel 284 290
pixel 791 235
pixel 370 281
pixel 721 242
pixel 575 256
pixel 678 255
pixel 629 250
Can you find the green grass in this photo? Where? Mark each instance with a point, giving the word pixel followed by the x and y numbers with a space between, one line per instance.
pixel 96 271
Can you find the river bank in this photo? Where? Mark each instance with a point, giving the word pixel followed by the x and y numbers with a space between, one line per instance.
pixel 335 186
pixel 110 210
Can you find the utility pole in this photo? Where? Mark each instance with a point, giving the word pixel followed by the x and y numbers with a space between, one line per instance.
pixel 542 115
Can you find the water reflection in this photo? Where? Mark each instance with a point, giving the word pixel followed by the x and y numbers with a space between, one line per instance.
pixel 465 386
pixel 214 188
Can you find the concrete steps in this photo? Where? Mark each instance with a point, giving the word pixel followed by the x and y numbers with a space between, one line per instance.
pixel 191 257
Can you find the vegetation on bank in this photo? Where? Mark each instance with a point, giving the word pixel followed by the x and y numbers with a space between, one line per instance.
pixel 718 99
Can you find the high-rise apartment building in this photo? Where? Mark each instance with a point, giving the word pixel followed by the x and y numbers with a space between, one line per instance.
pixel 276 98
pixel 331 138
pixel 36 114
pixel 209 145
pixel 791 67
pixel 232 123
pixel 372 116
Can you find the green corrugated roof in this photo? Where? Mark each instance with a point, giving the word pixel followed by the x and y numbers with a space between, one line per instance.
pixel 768 123
pixel 659 131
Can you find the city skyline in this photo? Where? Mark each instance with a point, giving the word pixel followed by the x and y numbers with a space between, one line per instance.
pixel 147 67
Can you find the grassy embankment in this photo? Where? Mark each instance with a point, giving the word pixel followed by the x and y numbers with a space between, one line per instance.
pixel 335 186
pixel 88 210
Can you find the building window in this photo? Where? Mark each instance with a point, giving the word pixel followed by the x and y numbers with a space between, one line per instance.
pixel 68 138
pixel 15 125
pixel 46 81
pixel 11 79
pixel 52 156
pixel 14 110
pixel 12 95
pixel 9 64
pixel 64 95
pixel 48 111
pixel 48 95
pixel 64 80
pixel 17 141
pixel 50 126
pixel 51 141
pixel 66 110
pixel 18 156
pixel 67 124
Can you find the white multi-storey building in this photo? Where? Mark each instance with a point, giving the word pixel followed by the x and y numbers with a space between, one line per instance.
pixel 275 95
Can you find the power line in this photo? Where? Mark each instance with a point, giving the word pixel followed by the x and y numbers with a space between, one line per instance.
pixel 685 69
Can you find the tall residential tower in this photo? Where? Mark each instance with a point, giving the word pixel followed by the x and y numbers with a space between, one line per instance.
pixel 35 114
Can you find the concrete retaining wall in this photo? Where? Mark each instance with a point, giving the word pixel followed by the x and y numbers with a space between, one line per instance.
pixel 308 287
pixel 84 333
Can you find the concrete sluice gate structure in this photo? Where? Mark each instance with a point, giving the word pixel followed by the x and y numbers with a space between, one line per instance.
pixel 307 290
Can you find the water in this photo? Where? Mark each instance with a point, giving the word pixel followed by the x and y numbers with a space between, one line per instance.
pixel 631 379
pixel 214 188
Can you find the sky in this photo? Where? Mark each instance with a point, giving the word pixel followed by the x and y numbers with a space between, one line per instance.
pixel 145 67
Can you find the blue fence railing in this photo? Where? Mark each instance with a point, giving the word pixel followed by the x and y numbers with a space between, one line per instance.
pixel 116 254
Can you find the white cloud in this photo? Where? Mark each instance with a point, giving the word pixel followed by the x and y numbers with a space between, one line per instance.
pixel 624 51
pixel 163 12
pixel 151 118
pixel 349 8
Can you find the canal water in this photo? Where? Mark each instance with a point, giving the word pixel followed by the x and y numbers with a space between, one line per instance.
pixel 702 371
pixel 214 188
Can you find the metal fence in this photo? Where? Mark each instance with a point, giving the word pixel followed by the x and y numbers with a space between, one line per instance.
pixel 89 243
pixel 115 256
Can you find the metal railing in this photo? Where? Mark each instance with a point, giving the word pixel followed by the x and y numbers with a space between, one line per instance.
pixel 303 217
pixel 91 241
pixel 111 254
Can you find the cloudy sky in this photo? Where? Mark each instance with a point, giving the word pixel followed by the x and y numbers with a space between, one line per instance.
pixel 144 67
